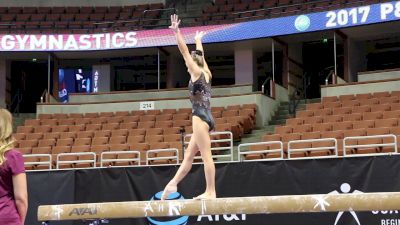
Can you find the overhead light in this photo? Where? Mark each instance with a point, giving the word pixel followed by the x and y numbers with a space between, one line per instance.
pixel 325 40
pixel 34 59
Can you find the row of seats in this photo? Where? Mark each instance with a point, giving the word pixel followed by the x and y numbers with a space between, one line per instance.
pixel 369 105
pixel 241 119
pixel 98 140
pixel 81 10
pixel 129 119
pixel 105 19
pixel 123 131
pixel 99 149
pixel 115 144
pixel 369 115
pixel 356 100
pixel 383 94
pixel 389 119
pixel 75 27
pixel 230 11
pixel 121 151
pixel 329 146
pixel 339 134
pixel 347 114
pixel 236 125
pixel 143 112
pixel 37 156
pixel 86 152
pixel 346 125
pixel 348 106
pixel 36 20
pixel 96 17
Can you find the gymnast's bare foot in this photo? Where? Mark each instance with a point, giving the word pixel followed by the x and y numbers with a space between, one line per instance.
pixel 170 188
pixel 206 195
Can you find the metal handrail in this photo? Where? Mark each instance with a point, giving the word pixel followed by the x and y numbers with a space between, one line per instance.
pixel 17 99
pixel 310 149
pixel 103 160
pixel 59 162
pixel 293 102
pixel 166 9
pixel 331 73
pixel 176 157
pixel 44 96
pixel 242 152
pixel 39 162
pixel 263 85
pixel 394 144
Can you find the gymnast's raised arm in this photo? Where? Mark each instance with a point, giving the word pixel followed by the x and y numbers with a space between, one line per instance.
pixel 193 68
pixel 199 46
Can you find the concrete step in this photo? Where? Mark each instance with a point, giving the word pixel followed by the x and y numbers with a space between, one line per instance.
pixel 255 135
pixel 277 122
pixel 284 103
pixel 269 128
pixel 283 112
pixel 282 117
pixel 19 119
pixel 25 115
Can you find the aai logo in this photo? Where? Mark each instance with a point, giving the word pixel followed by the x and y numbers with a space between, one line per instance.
pixel 302 23
pixel 178 220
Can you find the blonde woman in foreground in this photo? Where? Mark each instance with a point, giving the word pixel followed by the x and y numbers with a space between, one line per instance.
pixel 13 187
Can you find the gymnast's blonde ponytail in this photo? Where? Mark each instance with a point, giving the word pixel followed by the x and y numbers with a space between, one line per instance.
pixel 6 138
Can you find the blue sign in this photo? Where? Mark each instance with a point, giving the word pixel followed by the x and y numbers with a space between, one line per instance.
pixel 179 220
pixel 335 19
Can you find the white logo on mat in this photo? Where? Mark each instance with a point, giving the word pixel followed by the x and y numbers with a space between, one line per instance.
pixel 345 188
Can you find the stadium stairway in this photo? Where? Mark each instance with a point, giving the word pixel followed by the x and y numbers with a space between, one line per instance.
pixel 283 112
pixel 279 118
pixel 19 119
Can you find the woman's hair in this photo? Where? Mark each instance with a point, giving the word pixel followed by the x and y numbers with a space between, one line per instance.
pixel 6 131
pixel 197 56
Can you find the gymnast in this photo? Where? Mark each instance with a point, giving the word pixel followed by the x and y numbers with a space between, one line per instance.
pixel 202 120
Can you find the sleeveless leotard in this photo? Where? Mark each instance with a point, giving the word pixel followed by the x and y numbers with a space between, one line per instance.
pixel 200 95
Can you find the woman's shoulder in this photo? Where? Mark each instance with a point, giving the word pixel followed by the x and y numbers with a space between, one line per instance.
pixel 13 153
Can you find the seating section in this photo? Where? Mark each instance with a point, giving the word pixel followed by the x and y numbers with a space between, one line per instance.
pixel 122 131
pixel 78 19
pixel 231 11
pixel 341 117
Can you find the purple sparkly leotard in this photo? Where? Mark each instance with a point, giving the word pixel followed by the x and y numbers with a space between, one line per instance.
pixel 200 95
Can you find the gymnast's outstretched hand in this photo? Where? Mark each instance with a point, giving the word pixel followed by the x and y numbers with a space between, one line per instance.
pixel 199 35
pixel 175 23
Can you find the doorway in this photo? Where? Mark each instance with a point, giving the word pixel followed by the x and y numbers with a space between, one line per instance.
pixel 29 80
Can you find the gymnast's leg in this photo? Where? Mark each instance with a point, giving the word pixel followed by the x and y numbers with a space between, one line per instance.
pixel 202 137
pixel 183 170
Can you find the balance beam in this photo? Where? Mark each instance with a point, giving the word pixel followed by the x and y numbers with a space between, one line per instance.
pixel 219 206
